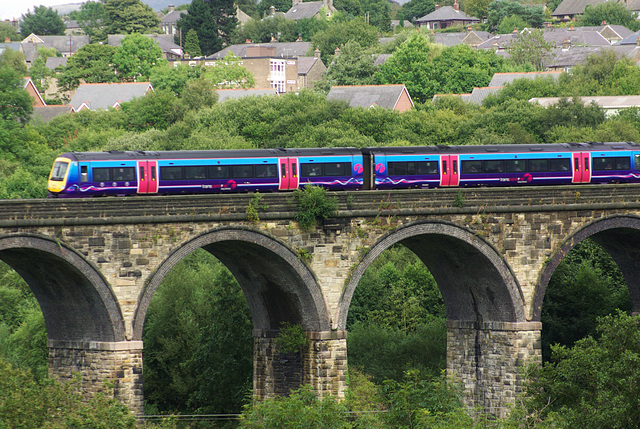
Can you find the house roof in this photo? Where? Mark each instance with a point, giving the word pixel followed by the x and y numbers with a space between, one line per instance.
pixel 631 39
pixel 226 94
pixel 304 10
pixel 283 49
pixel 28 83
pixel 385 96
pixel 501 79
pixel 576 7
pixel 447 13
pixel 499 41
pixel 62 44
pixel 104 95
pixel 606 102
pixel 578 36
pixel 47 113
pixel 305 64
pixel 164 41
pixel 172 17
pixel 476 96
pixel 54 62
pixel 381 59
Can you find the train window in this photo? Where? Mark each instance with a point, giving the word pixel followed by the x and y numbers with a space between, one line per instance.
pixel 123 174
pixel 397 168
pixel 636 162
pixel 266 170
pixel 310 170
pixel 427 167
pixel 171 173
pixel 470 167
pixel 515 165
pixel 84 173
pixel 242 171
pixel 219 172
pixel 561 164
pixel 622 163
pixel 101 174
pixel 337 168
pixel 195 172
pixel 538 165
pixel 60 169
pixel 493 166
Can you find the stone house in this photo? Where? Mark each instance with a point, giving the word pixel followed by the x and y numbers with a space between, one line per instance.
pixel 65 45
pixel 571 9
pixel 170 51
pixel 94 96
pixel 445 16
pixel 168 21
pixel 392 97
pixel 312 9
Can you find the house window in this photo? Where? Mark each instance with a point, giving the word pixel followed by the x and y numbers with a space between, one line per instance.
pixel 277 75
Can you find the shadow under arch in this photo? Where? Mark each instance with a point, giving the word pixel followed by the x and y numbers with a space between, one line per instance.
pixel 617 235
pixel 76 301
pixel 476 283
pixel 277 285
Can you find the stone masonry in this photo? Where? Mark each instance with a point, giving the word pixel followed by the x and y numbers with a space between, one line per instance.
pixel 94 266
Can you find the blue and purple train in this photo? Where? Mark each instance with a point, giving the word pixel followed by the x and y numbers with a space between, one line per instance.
pixel 80 174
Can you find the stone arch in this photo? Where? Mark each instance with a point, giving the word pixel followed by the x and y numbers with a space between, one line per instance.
pixel 77 302
pixel 619 236
pixel 476 284
pixel 277 285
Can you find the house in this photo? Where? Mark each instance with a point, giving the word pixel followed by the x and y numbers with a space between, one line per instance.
pixel 234 94
pixel 94 96
pixel 284 66
pixel 605 35
pixel 170 51
pixel 168 21
pixel 610 104
pixel 28 84
pixel 501 79
pixel 470 37
pixel 46 113
pixel 72 27
pixel 446 16
pixel 392 97
pixel 571 9
pixel 395 23
pixel 65 45
pixel 312 9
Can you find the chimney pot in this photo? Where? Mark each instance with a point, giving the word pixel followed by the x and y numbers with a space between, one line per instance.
pixel 437 6
pixel 456 6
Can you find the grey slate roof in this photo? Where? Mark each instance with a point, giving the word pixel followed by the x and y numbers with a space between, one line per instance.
pixel 304 10
pixel 577 7
pixel 164 41
pixel 606 102
pixel 449 39
pixel 104 95
pixel 172 17
pixel 447 13
pixel 499 41
pixel 62 44
pixel 381 59
pixel 479 94
pixel 632 39
pixel 283 49
pixel 47 113
pixel 305 64
pixel 501 79
pixel 54 62
pixel 226 94
pixel 385 96
pixel 578 36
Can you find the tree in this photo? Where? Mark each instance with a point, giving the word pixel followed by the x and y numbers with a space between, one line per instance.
pixel 15 101
pixel 136 57
pixel 8 31
pixel 39 71
pixel 354 66
pixel 200 18
pixel 129 16
pixel 530 48
pixel 174 79
pixel 415 9
pixel 230 74
pixel 44 21
pixel 91 64
pixel 279 5
pixel 90 18
pixel 498 10
pixel 339 33
pixel 613 13
pixel 192 44
pixel 477 8
pixel 511 23
pixel 15 60
pixel 261 31
pixel 377 13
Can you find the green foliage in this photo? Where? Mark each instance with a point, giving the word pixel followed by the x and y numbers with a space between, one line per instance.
pixel 511 23
pixel 14 60
pixel 136 57
pixel 90 18
pixel 92 63
pixel 586 285
pixel 354 66
pixel 594 383
pixel 198 94
pixel 129 16
pixel 498 10
pixel 613 13
pixel 8 31
pixel 291 338
pixel 212 20
pixel 158 109
pixel 174 78
pixel 192 44
pixel 313 204
pixel 261 31
pixel 339 33
pixel 198 342
pixel 530 48
pixel 415 9
pixel 229 73
pixel 15 101
pixel 255 204
pixel 26 403
pixel 43 21
pixel 39 72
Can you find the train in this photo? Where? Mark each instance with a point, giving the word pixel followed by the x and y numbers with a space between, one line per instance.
pixel 121 173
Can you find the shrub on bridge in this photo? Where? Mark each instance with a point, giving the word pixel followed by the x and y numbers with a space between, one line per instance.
pixel 313 204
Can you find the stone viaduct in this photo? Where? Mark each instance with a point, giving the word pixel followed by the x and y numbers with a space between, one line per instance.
pixel 95 264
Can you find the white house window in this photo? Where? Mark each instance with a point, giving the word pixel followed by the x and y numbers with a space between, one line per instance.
pixel 277 75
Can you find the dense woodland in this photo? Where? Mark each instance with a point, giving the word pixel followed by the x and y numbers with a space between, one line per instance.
pixel 198 343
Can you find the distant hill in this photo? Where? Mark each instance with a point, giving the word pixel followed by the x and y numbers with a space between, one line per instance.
pixel 156 5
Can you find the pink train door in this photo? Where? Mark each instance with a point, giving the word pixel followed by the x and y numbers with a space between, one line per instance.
pixel 288 173
pixel 581 167
pixel 147 177
pixel 449 170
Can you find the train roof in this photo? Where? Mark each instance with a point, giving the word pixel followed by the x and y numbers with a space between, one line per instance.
pixel 519 148
pixel 118 155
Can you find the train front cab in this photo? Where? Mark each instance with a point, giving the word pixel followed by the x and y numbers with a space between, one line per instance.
pixel 58 175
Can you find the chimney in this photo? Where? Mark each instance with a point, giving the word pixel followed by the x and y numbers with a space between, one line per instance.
pixel 437 6
pixel 272 10
pixel 603 23
pixel 337 52
pixel 247 40
pixel 316 53
pixel 469 29
pixel 456 6
pixel 299 39
pixel 566 44
pixel 273 39
pixel 171 8
pixel 638 41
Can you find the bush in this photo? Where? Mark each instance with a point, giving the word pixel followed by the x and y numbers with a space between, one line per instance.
pixel 313 205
